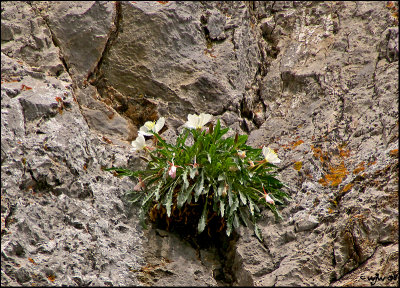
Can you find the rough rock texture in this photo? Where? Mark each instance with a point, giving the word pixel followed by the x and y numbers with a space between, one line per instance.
pixel 317 81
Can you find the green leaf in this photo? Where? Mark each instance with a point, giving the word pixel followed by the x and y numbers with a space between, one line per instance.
pixel 242 197
pixel 134 196
pixel 123 171
pixel 251 205
pixel 258 232
pixel 230 200
pixel 202 222
pixel 222 207
pixel 229 225
pixel 199 186
pixel 185 180
pixel 235 221
pixel 235 204
pixel 157 191
pixel 241 140
pixel 244 216
pixel 147 198
pixel 184 196
pixel 169 201
pixel 192 173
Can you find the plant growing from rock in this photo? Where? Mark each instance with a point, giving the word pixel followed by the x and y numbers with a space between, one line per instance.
pixel 217 182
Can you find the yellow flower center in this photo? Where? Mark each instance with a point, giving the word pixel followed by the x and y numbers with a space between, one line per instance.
pixel 150 125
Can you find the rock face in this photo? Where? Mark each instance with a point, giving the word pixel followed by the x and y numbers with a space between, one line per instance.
pixel 317 81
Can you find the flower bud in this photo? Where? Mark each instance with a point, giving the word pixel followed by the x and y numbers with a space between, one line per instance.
pixel 172 171
pixel 268 199
pixel 139 186
pixel 241 154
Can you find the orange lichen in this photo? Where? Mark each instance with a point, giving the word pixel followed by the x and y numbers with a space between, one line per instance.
pixel 297 143
pixel 293 144
pixel 347 187
pixel 344 153
pixel 298 165
pixel 24 87
pixel 337 174
pixel 51 278
pixel 360 167
pixel 318 154
pixel 394 152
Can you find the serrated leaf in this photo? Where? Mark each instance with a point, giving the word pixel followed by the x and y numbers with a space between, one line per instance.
pixel 222 208
pixel 235 204
pixel 199 186
pixel 257 232
pixel 168 203
pixel 251 205
pixel 244 216
pixel 136 196
pixel 142 214
pixel 229 225
pixel 147 198
pixel 235 221
pixel 184 196
pixel 202 222
pixel 157 191
pixel 185 180
pixel 192 173
pixel 230 201
pixel 242 197
pixel 168 199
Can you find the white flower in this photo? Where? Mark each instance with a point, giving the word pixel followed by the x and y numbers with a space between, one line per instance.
pixel 197 121
pixel 152 126
pixel 139 143
pixel 270 155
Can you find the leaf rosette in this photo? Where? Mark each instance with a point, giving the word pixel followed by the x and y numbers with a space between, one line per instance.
pixel 216 183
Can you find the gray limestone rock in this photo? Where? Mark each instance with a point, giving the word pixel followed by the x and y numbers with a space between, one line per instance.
pixel 317 81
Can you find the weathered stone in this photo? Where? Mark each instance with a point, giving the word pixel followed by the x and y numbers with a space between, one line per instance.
pixel 32 40
pixel 317 81
pixel 22 275
pixel 172 261
pixel 171 61
pixel 81 31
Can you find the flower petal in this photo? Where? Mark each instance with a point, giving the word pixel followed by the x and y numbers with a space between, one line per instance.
pixel 139 143
pixel 204 119
pixel 144 131
pixel 192 121
pixel 159 125
pixel 270 155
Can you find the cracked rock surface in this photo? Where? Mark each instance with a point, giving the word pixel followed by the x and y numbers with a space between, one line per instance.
pixel 316 81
